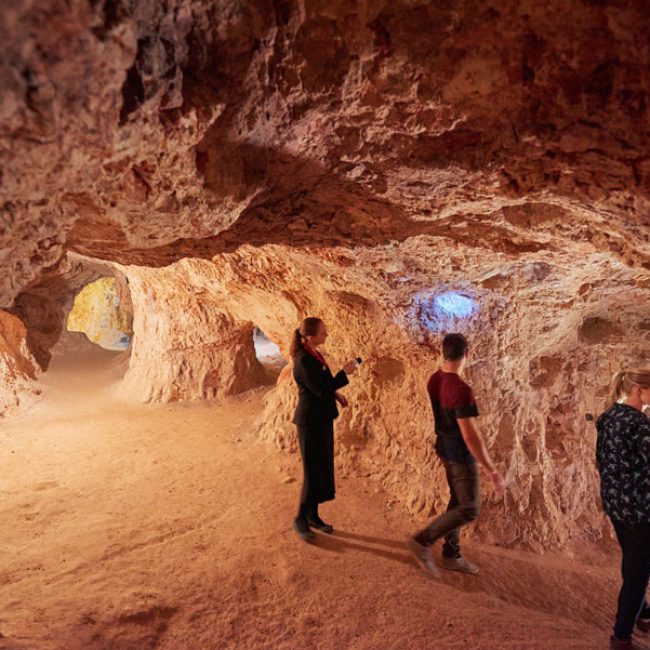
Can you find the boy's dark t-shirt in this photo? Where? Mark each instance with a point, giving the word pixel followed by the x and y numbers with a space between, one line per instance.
pixel 451 399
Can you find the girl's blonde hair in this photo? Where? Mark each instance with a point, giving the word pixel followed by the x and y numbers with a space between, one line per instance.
pixel 624 380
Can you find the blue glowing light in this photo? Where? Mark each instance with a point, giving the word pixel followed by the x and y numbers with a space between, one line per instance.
pixel 455 304
pixel 443 311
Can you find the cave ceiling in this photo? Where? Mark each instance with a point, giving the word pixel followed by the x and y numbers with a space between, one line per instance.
pixel 143 132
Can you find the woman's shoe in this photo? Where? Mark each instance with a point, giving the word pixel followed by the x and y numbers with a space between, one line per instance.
pixel 643 624
pixel 319 524
pixel 302 528
pixel 617 644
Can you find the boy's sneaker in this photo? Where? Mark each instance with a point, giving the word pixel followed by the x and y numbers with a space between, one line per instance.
pixel 423 557
pixel 459 564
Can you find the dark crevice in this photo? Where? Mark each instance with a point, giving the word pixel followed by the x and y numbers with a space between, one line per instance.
pixel 132 94
pixel 114 12
pixel 382 35
pixel 601 80
pixel 282 12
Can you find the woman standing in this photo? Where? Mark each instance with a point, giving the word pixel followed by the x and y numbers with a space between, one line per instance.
pixel 314 418
pixel 623 459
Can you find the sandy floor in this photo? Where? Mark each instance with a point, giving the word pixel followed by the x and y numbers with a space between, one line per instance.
pixel 134 527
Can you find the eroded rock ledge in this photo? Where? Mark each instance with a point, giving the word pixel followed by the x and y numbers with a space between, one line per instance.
pixel 17 365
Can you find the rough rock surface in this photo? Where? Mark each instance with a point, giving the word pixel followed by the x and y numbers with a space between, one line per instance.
pixel 251 163
pixel 17 365
pixel 133 125
pixel 536 377
pixel 185 344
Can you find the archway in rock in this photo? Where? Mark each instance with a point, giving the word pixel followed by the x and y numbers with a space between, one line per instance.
pixel 190 341
pixel 102 313
pixel 98 328
pixel 268 353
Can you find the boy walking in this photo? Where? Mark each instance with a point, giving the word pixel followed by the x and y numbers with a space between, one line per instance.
pixel 459 445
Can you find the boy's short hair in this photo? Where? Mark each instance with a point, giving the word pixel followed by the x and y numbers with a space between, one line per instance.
pixel 454 347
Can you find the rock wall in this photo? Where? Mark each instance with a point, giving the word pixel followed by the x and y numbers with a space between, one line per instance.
pixel 17 365
pixel 545 339
pixel 185 345
pixel 542 354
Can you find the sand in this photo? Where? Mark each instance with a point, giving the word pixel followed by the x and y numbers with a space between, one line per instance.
pixel 133 526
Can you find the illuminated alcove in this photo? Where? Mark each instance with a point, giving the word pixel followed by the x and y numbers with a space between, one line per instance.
pixel 99 311
pixel 267 352
pixel 445 310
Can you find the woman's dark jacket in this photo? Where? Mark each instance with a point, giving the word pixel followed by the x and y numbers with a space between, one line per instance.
pixel 316 388
pixel 623 460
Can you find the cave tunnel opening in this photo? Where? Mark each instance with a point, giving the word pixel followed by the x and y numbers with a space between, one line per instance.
pixel 98 329
pixel 268 353
pixel 100 312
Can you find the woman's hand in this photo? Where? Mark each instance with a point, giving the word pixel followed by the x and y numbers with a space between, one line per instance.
pixel 341 400
pixel 350 367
